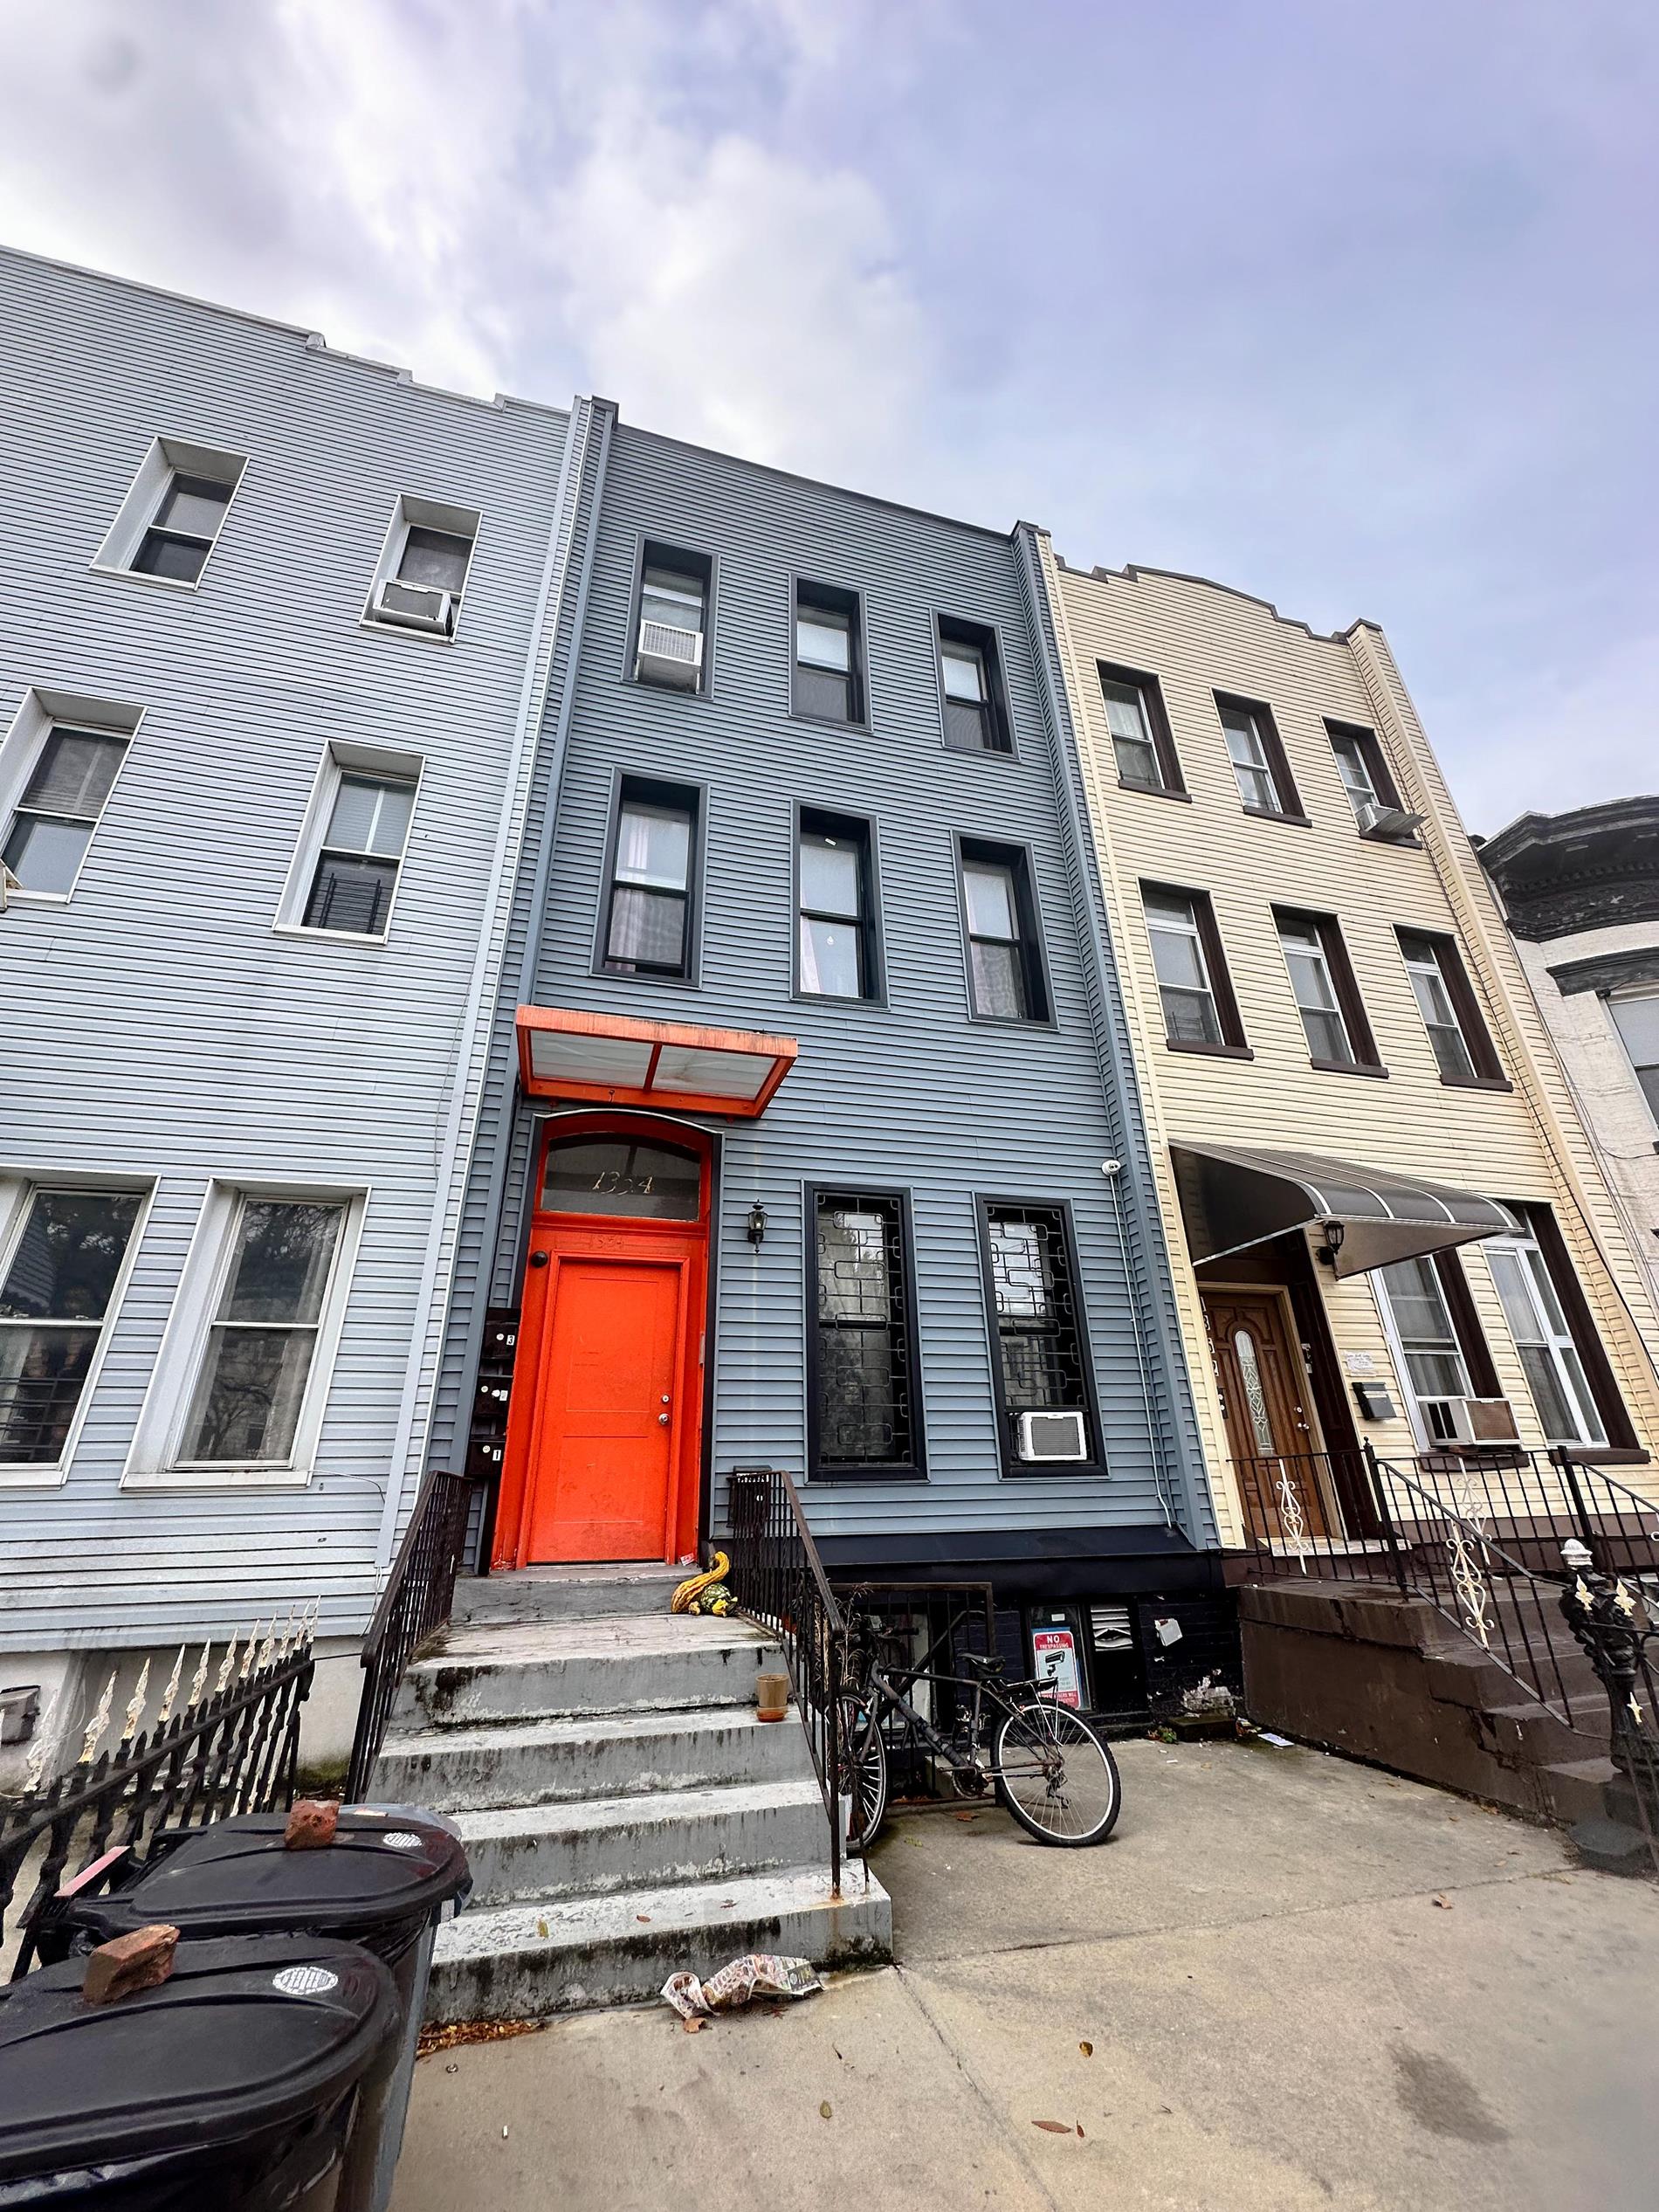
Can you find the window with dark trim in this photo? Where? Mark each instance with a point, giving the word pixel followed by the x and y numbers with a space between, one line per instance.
pixel 1006 978
pixel 1260 766
pixel 1327 997
pixel 1443 1350
pixel 59 808
pixel 838 954
pixel 970 679
pixel 1568 1373
pixel 1462 1049
pixel 1201 1014
pixel 1635 1016
pixel 863 1410
pixel 1364 769
pixel 828 679
pixel 651 898
pixel 671 629
pixel 1142 742
pixel 1042 1363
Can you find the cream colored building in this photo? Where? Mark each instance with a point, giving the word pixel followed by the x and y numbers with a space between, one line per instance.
pixel 1314 965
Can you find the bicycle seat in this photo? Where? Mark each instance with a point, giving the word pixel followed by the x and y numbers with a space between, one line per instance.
pixel 982 1662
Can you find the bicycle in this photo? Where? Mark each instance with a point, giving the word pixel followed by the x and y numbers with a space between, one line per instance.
pixel 1046 1764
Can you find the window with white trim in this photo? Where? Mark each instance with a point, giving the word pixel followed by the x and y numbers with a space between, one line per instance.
pixel 170 520
pixel 1561 1394
pixel 350 854
pixel 1636 1016
pixel 58 763
pixel 62 1264
pixel 1436 1368
pixel 420 577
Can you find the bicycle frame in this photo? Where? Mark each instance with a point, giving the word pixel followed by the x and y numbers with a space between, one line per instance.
pixel 879 1691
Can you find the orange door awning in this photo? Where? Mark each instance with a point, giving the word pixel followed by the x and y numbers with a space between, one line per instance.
pixel 610 1059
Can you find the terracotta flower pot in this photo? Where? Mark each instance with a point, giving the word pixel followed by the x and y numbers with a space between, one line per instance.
pixel 771 1695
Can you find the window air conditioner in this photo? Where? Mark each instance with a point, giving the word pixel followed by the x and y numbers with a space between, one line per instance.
pixel 1053 1435
pixel 670 655
pixel 416 606
pixel 1386 822
pixel 1477 1421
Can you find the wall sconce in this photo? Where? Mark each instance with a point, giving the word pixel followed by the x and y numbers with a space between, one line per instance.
pixel 1334 1233
pixel 755 1229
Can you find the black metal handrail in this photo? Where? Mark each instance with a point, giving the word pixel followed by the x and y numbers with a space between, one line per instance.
pixel 233 1750
pixel 777 1581
pixel 413 1606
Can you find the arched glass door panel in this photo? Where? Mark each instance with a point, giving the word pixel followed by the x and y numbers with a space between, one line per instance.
pixel 622 1175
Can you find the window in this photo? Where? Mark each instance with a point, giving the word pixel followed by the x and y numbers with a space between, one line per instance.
pixel 1259 763
pixel 829 658
pixel 1006 980
pixel 262 1339
pixel 970 675
pixel 1462 1049
pixel 420 576
pixel 672 633
pixel 350 856
pixel 171 517
pixel 837 942
pixel 1200 1010
pixel 622 1175
pixel 1365 777
pixel 1432 1349
pixel 862 1396
pixel 59 809
pixel 648 921
pixel 1042 1364
pixel 1636 1016
pixel 58 1284
pixel 1555 1372
pixel 1141 740
pixel 1326 996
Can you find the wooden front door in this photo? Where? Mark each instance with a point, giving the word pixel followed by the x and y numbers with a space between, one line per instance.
pixel 604 1425
pixel 1271 1431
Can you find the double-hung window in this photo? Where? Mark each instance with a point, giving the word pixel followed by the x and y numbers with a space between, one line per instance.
pixel 1260 766
pixel 1636 1016
pixel 670 644
pixel 863 1401
pixel 178 541
pixel 355 876
pixel 59 809
pixel 1327 998
pixel 829 658
pixel 837 950
pixel 970 676
pixel 61 1266
pixel 1200 1012
pixel 423 566
pixel 1436 1370
pixel 1366 779
pixel 1555 1373
pixel 171 518
pixel 1006 977
pixel 648 919
pixel 1142 744
pixel 1463 1049
pixel 1041 1365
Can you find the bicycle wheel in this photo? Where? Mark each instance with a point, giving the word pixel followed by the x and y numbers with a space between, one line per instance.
pixel 1055 1776
pixel 863 1776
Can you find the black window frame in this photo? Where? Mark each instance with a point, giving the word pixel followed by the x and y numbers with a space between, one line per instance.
pixel 810 821
pixel 995 718
pixel 1344 984
pixel 913 1467
pixel 690 561
pixel 629 785
pixel 986 1205
pixel 1171 784
pixel 1487 1070
pixel 158 532
pixel 1233 1043
pixel 1289 808
pixel 810 592
pixel 996 852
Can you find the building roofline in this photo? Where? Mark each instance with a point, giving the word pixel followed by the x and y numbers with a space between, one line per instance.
pixel 1533 831
pixel 1133 571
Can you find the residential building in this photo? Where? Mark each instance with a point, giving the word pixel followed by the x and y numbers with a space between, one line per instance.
pixel 1390 1227
pixel 273 648
pixel 1580 892
pixel 810 1141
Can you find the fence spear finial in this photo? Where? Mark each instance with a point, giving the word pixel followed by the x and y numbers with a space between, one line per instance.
pixel 198 1680
pixel 35 1766
pixel 135 1703
pixel 98 1726
pixel 247 1657
pixel 171 1691
pixel 227 1667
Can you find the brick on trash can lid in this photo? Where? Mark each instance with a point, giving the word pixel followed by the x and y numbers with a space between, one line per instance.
pixel 244 2034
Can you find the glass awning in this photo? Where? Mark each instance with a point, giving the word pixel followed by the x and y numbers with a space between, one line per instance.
pixel 1232 1196
pixel 610 1059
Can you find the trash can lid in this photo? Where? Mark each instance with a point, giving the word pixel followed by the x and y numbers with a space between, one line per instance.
pixel 236 1878
pixel 246 2034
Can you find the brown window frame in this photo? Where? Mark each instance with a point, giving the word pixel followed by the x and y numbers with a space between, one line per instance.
pixel 1289 808
pixel 1623 1442
pixel 1448 957
pixel 1233 1044
pixel 1377 767
pixel 1171 784
pixel 1345 983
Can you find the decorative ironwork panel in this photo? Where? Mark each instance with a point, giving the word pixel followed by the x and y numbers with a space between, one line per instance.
pixel 865 1358
pixel 1038 1326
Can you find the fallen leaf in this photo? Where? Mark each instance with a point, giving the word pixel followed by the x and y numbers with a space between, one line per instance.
pixel 1080 2130
pixel 1087 2050
pixel 826 2110
pixel 1444 1903
pixel 693 2027
pixel 1053 2126
pixel 968 1816
pixel 541 1927
pixel 642 1916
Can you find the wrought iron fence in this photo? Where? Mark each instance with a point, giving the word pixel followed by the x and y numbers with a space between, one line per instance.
pixel 414 1605
pixel 777 1581
pixel 232 1749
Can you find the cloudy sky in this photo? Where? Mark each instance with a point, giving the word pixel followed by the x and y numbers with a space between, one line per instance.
pixel 1353 303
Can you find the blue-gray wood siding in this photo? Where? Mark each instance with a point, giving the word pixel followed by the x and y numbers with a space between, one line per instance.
pixel 156 1025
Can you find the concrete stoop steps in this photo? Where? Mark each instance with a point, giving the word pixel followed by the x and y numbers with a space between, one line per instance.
pixel 625 1812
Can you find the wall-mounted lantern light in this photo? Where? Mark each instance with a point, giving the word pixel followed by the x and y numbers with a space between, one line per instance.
pixel 755 1227
pixel 1334 1233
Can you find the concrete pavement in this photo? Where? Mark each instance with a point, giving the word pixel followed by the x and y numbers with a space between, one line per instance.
pixel 1305 1983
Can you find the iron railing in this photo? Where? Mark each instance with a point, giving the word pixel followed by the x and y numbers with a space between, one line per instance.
pixel 777 1581
pixel 233 1749
pixel 413 1606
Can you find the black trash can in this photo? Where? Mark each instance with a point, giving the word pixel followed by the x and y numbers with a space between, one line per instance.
pixel 383 1882
pixel 231 2087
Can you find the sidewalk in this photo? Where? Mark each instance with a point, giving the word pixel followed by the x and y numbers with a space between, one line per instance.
pixel 1306 1984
